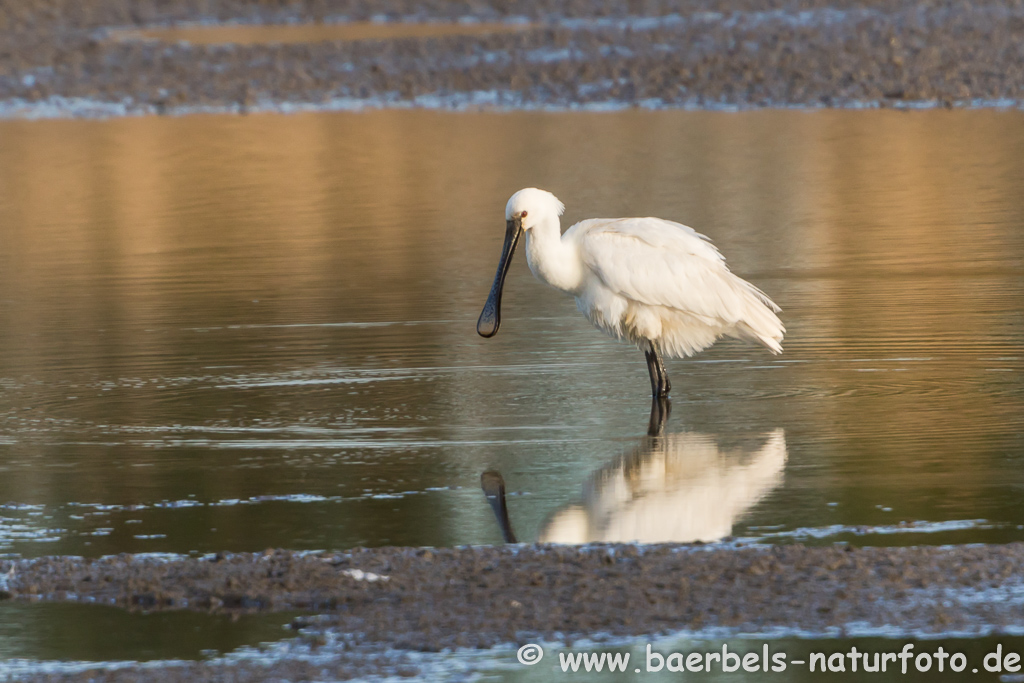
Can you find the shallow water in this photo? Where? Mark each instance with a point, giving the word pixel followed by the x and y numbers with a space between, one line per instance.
pixel 269 34
pixel 232 333
pixel 72 632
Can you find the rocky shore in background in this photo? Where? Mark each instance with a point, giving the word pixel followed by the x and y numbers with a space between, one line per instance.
pixel 658 53
pixel 406 600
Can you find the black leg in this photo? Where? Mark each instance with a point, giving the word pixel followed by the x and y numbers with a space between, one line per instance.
pixel 660 385
pixel 661 408
pixel 652 368
pixel 666 385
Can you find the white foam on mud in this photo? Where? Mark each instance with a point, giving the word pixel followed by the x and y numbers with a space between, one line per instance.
pixel 67 107
pixel 483 100
pixel 825 16
pixel 369 577
pixel 916 527
pixel 17 669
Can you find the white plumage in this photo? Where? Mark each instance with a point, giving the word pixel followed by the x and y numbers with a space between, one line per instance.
pixel 652 279
pixel 659 284
pixel 676 488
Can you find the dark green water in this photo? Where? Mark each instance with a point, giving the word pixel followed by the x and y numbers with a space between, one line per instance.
pixel 73 632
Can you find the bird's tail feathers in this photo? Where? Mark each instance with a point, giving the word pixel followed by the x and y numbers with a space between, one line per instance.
pixel 764 328
pixel 762 297
pixel 760 324
pixel 771 343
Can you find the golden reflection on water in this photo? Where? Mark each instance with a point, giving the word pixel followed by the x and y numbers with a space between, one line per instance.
pixel 265 34
pixel 903 223
pixel 167 251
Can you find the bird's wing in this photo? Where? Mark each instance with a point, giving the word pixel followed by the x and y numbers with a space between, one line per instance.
pixel 657 262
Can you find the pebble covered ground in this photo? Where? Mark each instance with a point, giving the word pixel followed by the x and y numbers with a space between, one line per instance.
pixel 699 53
pixel 427 600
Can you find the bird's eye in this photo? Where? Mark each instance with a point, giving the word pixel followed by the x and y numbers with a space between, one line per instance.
pixel 522 215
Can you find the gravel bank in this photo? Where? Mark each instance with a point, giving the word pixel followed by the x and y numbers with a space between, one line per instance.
pixel 426 600
pixel 703 53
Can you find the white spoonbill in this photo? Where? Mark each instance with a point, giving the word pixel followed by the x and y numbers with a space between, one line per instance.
pixel 661 285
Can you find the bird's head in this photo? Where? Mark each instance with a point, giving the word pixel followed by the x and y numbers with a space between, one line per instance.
pixel 528 207
pixel 525 210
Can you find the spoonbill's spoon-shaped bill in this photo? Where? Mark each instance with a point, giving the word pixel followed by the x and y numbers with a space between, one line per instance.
pixel 658 284
pixel 490 317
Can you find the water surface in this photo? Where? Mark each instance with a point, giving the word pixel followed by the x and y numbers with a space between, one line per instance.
pixel 240 332
pixel 80 633
pixel 269 34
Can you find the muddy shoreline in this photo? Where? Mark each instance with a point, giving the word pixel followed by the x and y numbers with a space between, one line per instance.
pixel 430 600
pixel 706 54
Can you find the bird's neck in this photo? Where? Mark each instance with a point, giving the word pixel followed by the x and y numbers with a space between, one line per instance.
pixel 552 259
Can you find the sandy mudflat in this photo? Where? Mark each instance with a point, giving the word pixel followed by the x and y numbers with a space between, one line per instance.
pixel 434 599
pixel 700 53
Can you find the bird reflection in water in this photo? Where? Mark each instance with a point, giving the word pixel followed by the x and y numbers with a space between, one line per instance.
pixel 671 488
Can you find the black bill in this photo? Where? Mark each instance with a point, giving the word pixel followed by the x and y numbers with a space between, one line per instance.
pixel 490 317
